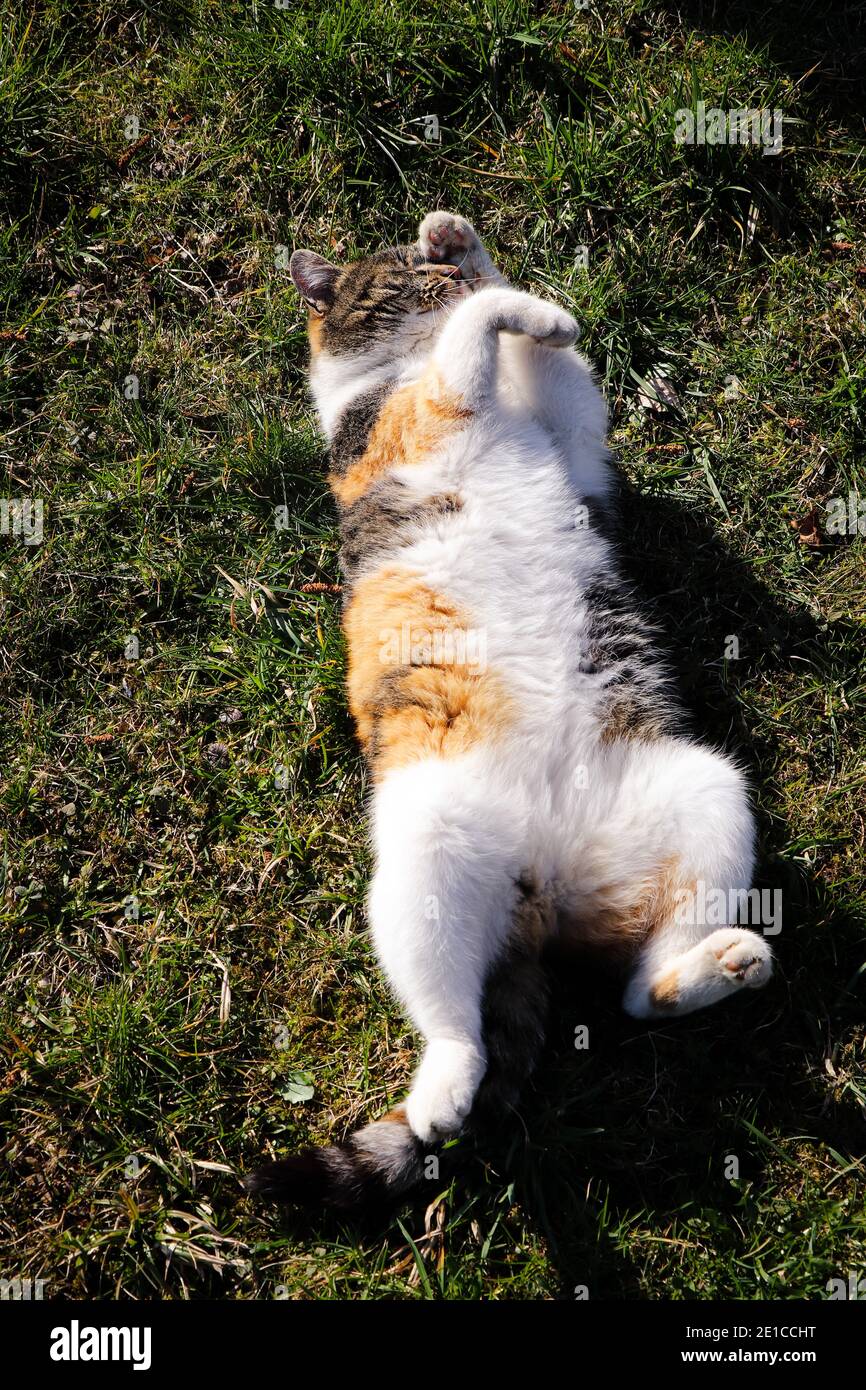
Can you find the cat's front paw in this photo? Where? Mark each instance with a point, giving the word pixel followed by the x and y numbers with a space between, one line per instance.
pixel 556 328
pixel 445 236
pixel 537 318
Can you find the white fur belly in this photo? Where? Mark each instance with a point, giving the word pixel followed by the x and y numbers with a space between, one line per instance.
pixel 516 559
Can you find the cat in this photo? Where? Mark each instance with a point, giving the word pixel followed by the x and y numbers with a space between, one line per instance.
pixel 531 780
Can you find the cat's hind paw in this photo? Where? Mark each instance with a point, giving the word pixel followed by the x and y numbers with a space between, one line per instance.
pixel 743 957
pixel 444 1088
pixel 725 962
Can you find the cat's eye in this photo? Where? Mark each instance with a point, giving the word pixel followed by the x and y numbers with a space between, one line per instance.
pixel 429 268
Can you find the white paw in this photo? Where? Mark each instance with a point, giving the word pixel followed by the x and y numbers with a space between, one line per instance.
pixel 444 1088
pixel 444 236
pixel 546 323
pixel 743 957
pixel 556 328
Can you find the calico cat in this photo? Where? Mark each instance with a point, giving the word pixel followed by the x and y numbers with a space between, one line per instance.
pixel 530 778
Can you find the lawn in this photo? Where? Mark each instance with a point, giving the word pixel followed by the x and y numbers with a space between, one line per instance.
pixel 186 979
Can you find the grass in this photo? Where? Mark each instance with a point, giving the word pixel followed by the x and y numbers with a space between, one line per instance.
pixel 186 977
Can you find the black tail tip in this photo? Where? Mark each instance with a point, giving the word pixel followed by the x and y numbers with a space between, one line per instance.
pixel 379 1162
pixel 297 1179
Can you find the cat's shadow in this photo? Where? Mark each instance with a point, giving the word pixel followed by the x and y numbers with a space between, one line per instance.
pixel 622 1143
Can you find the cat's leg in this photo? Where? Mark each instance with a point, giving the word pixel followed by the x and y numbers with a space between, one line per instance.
pixel 695 954
pixel 559 389
pixel 449 238
pixel 440 909
pixel 466 355
pixel 676 977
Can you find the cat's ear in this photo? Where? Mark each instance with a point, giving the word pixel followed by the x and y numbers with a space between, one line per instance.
pixel 314 279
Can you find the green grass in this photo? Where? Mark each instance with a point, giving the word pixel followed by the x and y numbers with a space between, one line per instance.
pixel 155 857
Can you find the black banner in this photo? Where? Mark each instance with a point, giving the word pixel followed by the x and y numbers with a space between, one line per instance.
pixel 61 1339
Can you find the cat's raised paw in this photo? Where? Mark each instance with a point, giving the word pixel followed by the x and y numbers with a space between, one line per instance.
pixel 556 328
pixel 445 236
pixel 448 238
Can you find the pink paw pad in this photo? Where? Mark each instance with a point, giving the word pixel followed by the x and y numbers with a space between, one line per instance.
pixel 452 244
pixel 739 961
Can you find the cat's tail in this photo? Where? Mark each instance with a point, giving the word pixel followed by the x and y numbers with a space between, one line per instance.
pixel 381 1160
pixel 385 1159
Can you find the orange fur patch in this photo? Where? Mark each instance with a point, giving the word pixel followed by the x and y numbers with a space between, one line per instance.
pixel 413 690
pixel 314 333
pixel 619 918
pixel 665 993
pixel 411 424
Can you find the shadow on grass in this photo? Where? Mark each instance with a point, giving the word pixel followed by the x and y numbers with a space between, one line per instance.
pixel 645 1119
pixel 821 47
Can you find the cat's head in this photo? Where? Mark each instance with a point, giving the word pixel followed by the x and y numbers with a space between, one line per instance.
pixel 393 301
